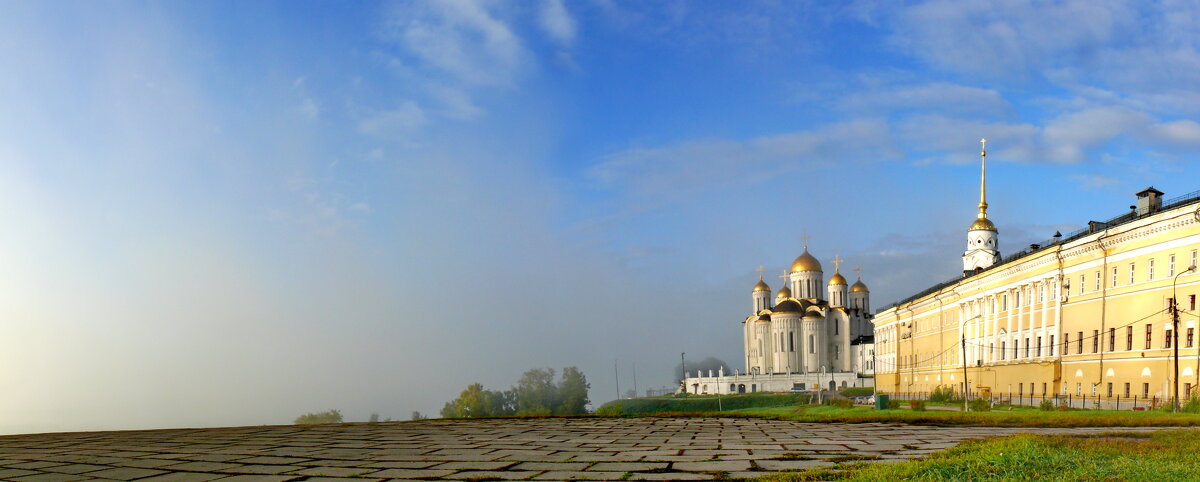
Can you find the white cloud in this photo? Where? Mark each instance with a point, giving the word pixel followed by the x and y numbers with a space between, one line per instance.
pixel 935 96
pixel 308 108
pixel 397 124
pixel 696 165
pixel 1184 133
pixel 460 38
pixel 557 22
pixel 1089 182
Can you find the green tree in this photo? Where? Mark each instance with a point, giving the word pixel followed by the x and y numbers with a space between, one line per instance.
pixel 477 402
pixel 536 393
pixel 416 415
pixel 328 416
pixel 572 392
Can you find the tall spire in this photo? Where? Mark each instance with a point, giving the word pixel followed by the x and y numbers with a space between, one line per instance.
pixel 983 179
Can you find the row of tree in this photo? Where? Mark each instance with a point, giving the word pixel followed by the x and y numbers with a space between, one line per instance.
pixel 536 393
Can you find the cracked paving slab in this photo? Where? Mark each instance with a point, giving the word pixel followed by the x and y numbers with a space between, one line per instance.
pixel 499 449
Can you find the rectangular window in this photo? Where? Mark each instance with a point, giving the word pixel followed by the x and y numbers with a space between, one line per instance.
pixel 791 341
pixel 1109 394
pixel 1079 349
pixel 1132 270
pixel 836 327
pixel 1097 281
pixel 1145 390
pixel 1193 258
pixel 1066 343
pixel 1027 348
pixel 1129 338
pixel 1003 352
pixel 1003 302
pixel 811 348
pixel 1095 341
pixel 1051 345
pixel 1167 338
pixel 1190 337
pixel 1149 329
pixel 1192 302
pixel 1150 270
pixel 1039 347
pixel 1043 389
pixel 1078 389
pixel 1112 339
pixel 1082 282
pixel 1114 277
pixel 1170 265
pixel 1127 390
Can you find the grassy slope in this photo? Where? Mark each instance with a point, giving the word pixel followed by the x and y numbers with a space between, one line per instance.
pixel 700 403
pixel 1163 455
pixel 1018 417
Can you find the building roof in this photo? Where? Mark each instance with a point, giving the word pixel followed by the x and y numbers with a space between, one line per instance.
pixel 1094 227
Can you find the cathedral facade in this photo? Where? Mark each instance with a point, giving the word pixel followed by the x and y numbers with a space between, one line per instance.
pixel 811 334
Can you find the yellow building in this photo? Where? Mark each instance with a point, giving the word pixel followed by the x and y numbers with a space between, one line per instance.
pixel 1085 314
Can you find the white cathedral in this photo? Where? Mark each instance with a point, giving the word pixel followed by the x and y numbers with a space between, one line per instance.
pixel 803 339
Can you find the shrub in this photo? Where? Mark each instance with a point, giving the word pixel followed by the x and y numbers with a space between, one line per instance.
pixel 893 404
pixel 917 405
pixel 839 403
pixel 979 405
pixel 1192 405
pixel 328 416
pixel 1046 406
pixel 944 394
pixel 610 410
pixel 858 392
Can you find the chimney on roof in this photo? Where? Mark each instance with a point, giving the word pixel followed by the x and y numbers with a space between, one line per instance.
pixel 1149 201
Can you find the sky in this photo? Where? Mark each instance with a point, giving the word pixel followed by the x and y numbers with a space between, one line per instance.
pixel 232 213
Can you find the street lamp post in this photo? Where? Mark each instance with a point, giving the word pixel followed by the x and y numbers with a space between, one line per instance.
pixel 1175 333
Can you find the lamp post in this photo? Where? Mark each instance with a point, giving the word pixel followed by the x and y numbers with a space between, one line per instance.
pixel 966 385
pixel 1175 333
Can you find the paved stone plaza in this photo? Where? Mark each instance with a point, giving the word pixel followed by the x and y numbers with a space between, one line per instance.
pixel 537 449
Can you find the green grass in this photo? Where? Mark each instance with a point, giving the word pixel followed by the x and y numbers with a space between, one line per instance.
pixel 700 403
pixel 1162 455
pixel 1017 417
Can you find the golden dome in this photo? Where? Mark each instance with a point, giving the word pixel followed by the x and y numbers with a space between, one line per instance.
pixel 837 279
pixel 813 314
pixel 784 292
pixel 982 224
pixel 859 287
pixel 760 286
pixel 806 262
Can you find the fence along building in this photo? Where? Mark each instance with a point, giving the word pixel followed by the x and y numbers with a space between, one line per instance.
pixel 1086 314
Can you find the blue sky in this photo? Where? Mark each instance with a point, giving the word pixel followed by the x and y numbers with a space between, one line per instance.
pixel 232 213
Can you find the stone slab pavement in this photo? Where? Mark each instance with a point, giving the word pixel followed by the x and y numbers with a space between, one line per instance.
pixel 496 449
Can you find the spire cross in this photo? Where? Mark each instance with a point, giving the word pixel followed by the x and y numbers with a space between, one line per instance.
pixel 760 272
pixel 859 270
pixel 805 239
pixel 983 179
pixel 784 275
pixel 837 261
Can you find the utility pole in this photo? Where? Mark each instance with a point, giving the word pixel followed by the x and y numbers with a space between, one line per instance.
pixel 683 366
pixel 617 376
pixel 966 386
pixel 1175 348
pixel 1175 330
pixel 635 392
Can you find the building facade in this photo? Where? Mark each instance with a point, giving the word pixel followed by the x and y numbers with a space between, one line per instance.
pixel 811 334
pixel 1085 315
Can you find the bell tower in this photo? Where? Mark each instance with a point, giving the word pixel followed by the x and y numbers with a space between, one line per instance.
pixel 983 243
